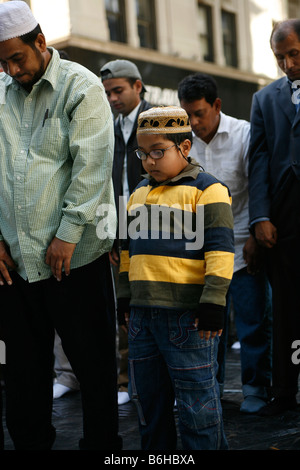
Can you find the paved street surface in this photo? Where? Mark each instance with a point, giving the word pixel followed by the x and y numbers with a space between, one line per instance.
pixel 244 432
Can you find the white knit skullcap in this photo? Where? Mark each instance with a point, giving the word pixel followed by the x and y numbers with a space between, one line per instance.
pixel 16 19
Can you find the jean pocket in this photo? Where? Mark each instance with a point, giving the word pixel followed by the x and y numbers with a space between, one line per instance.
pixel 198 404
pixel 182 330
pixel 135 323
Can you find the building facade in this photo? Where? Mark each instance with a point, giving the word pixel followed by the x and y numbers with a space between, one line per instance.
pixel 169 39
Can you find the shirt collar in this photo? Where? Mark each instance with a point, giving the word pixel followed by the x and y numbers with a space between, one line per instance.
pixel 190 171
pixel 51 73
pixel 223 128
pixel 131 116
pixel 291 83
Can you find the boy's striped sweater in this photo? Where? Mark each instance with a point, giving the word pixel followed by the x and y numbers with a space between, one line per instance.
pixel 162 268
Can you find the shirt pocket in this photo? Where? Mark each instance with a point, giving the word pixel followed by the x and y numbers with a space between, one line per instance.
pixel 53 139
pixel 232 175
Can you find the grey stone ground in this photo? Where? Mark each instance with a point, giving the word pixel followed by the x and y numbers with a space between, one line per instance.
pixel 244 432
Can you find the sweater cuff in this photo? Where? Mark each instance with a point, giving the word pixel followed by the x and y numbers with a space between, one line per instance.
pixel 211 317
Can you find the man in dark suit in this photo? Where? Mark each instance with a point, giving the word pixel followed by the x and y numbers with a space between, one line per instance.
pixel 124 89
pixel 274 204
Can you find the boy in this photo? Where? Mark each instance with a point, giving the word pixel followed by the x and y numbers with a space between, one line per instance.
pixel 176 287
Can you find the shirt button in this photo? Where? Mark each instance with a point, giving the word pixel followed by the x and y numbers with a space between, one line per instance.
pixel 19 207
pixel 18 178
pixel 26 125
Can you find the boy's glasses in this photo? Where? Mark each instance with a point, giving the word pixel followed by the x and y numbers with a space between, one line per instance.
pixel 155 154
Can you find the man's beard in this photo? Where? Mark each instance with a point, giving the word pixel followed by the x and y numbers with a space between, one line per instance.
pixel 40 72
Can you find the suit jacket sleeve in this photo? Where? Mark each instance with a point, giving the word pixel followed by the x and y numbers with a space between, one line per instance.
pixel 259 199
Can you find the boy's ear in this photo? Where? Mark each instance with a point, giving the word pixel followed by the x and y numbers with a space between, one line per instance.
pixel 186 147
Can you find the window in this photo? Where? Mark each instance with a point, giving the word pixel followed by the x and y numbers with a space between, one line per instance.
pixel 205 32
pixel 115 13
pixel 293 8
pixel 229 38
pixel 145 12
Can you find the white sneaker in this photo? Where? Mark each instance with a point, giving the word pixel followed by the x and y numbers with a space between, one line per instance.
pixel 123 397
pixel 59 390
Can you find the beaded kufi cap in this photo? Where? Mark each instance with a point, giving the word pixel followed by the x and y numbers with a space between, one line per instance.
pixel 16 19
pixel 164 120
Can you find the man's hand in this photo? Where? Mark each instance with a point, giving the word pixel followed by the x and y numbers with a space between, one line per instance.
pixel 114 257
pixel 266 234
pixel 59 255
pixel 5 262
pixel 123 313
pixel 252 255
pixel 125 327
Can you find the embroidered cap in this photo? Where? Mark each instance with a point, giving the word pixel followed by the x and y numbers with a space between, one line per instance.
pixel 164 120
pixel 16 19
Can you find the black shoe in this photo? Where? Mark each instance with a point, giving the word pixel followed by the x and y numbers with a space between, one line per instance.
pixel 278 405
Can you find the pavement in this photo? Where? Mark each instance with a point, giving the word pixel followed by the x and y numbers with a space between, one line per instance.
pixel 244 432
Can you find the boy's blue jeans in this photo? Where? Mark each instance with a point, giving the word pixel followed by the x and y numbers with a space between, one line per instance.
pixel 167 361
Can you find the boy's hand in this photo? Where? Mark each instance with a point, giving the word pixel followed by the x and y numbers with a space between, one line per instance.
pixel 209 334
pixel 209 320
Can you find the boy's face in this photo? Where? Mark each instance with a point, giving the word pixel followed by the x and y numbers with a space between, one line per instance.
pixel 171 164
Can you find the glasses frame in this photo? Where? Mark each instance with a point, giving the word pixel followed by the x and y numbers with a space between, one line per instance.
pixel 145 155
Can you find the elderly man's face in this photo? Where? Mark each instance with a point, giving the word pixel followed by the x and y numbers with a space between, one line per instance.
pixel 287 53
pixel 22 62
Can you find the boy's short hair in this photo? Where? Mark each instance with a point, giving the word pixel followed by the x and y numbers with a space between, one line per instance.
pixel 180 137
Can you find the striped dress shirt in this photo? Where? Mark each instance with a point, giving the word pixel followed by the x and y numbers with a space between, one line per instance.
pixel 56 151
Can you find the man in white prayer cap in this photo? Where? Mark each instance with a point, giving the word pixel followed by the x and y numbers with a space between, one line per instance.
pixel 56 152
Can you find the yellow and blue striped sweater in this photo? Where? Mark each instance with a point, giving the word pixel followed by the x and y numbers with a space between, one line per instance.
pixel 160 267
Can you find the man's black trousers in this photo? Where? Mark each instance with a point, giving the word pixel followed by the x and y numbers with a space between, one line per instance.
pixel 81 309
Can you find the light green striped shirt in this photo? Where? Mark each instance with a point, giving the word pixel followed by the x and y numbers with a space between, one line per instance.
pixel 55 172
